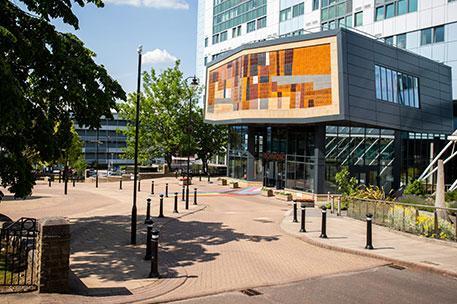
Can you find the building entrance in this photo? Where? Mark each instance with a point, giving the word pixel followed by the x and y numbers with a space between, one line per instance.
pixel 274 173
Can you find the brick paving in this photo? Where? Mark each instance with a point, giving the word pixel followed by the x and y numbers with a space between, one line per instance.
pixel 226 242
pixel 349 235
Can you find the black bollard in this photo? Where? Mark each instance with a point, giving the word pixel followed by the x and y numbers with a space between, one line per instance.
pixel 175 210
pixel 152 187
pixel 139 185
pixel 96 180
pixel 295 213
pixel 49 181
pixel 60 177
pixel 74 182
pixel 176 174
pixel 187 197
pixel 149 224
pixel 161 206
pixel 209 178
pixel 200 177
pixel 183 189
pixel 155 254
pixel 65 186
pixel 195 196
pixel 148 209
pixel 324 223
pixel 303 217
pixel 120 184
pixel 369 231
pixel 166 190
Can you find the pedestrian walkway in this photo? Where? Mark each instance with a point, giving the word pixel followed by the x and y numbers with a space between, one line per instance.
pixel 349 235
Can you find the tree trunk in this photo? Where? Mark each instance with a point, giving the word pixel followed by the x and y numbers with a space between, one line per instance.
pixel 168 160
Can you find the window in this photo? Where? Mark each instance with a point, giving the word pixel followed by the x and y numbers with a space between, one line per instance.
pixel 223 36
pixel 401 41
pixel 426 36
pixel 285 14
pixel 390 10
pixel 234 32
pixel 298 10
pixel 358 19
pixel 389 40
pixel 349 21
pixel 215 38
pixel 262 22
pixel 206 41
pixel 402 7
pixel 250 26
pixel 412 5
pixel 396 87
pixel 379 13
pixel 206 60
pixel 315 5
pixel 438 34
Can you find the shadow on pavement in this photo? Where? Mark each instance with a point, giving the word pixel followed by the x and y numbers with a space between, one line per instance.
pixel 100 247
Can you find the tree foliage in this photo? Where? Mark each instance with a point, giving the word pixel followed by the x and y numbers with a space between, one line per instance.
pixel 166 120
pixel 347 185
pixel 47 78
pixel 417 187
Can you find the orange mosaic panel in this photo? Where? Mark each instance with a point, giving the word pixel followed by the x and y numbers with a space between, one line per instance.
pixel 285 79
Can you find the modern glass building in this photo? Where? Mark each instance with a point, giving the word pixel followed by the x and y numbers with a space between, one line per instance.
pixel 299 108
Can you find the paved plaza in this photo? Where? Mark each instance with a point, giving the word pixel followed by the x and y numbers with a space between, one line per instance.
pixel 232 240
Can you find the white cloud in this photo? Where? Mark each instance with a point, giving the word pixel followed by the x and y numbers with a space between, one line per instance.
pixel 165 4
pixel 158 56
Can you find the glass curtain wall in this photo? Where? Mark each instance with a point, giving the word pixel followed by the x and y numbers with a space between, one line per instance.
pixel 367 152
pixel 238 152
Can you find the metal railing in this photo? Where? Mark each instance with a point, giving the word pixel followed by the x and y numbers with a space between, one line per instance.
pixel 17 253
pixel 425 220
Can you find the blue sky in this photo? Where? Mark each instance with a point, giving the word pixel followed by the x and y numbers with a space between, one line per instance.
pixel 165 28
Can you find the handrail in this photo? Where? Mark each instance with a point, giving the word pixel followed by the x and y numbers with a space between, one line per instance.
pixel 399 203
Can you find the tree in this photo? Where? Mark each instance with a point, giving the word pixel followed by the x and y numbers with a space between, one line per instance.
pixel 347 185
pixel 163 116
pixel 47 78
pixel 211 140
pixel 164 120
pixel 73 154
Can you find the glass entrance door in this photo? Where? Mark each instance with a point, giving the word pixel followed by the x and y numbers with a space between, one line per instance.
pixel 274 174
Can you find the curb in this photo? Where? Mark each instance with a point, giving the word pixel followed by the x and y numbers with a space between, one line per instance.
pixel 400 262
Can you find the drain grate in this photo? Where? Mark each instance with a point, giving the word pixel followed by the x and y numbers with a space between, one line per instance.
pixel 431 263
pixel 398 267
pixel 250 292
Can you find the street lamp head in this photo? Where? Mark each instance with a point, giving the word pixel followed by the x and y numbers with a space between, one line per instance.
pixel 140 49
pixel 194 82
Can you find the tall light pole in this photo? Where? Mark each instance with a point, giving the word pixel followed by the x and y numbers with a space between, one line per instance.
pixel 135 165
pixel 193 86
pixel 96 162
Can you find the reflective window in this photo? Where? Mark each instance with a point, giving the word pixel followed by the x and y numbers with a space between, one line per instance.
pixel 379 13
pixel 285 14
pixel 390 10
pixel 396 87
pixel 401 41
pixel 412 5
pixel 298 10
pixel 402 7
pixel 250 26
pixel 315 5
pixel 426 36
pixel 358 19
pixel 438 35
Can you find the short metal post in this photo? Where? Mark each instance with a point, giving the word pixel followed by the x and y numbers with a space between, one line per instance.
pixel 303 218
pixel 435 222
pixel 295 220
pixel 49 181
pixel 161 206
pixel 152 187
pixel 195 196
pixel 120 184
pixel 96 180
pixel 338 211
pixel 200 177
pixel 139 184
pixel 74 182
pixel 176 174
pixel 148 209
pixel 209 178
pixel 369 244
pixel 60 176
pixel 187 197
pixel 166 190
pixel 324 223
pixel 155 254
pixel 330 202
pixel 175 210
pixel 149 224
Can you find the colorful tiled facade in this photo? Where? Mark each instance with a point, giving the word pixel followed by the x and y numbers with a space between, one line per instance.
pixel 294 78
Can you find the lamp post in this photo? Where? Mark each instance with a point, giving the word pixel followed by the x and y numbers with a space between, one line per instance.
pixel 65 172
pixel 192 87
pixel 97 142
pixel 135 165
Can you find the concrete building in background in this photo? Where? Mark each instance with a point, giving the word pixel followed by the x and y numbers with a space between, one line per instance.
pixel 110 143
pixel 425 27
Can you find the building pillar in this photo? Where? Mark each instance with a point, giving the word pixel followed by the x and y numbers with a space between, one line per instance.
pixel 53 255
pixel 396 164
pixel 250 168
pixel 319 153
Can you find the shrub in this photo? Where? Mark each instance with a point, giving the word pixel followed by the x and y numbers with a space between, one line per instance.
pixel 346 184
pixel 417 187
pixel 451 196
pixel 371 192
pixel 412 199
